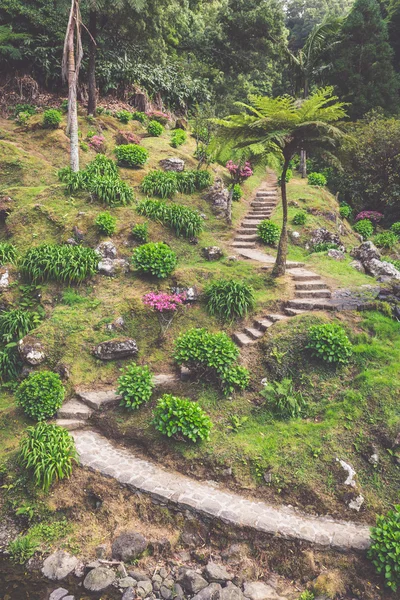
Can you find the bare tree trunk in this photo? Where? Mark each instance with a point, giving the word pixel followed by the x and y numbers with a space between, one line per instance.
pixel 303 164
pixel 229 207
pixel 280 263
pixel 92 100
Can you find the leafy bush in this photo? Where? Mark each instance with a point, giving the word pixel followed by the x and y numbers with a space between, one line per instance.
pixel 158 115
pixel 127 137
pixel 386 239
pixel 183 220
pixel 131 155
pixel 229 299
pixel 364 228
pixel 186 181
pixel 175 416
pixel 49 451
pixel 330 343
pixel 203 179
pixel 237 192
pixel 345 211
pixel 155 258
pixel 16 324
pixel 51 118
pixel 10 363
pixel 111 190
pixel 140 232
pixel 324 247
pixel 372 215
pixel 97 143
pixel 300 218
pixel 396 228
pixel 154 128
pixel 106 224
pixel 178 137
pixel 135 385
pixel 289 175
pixel 385 547
pixel 124 116
pixel 268 232
pixel 23 118
pixel 316 179
pixel 8 253
pixel 22 548
pixel 30 109
pixel 141 117
pixel 212 354
pixel 283 398
pixel 158 183
pixel 71 264
pixel 40 395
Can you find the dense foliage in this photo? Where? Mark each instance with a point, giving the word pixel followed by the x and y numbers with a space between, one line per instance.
pixel 154 258
pixel 300 218
pixel 140 232
pixel 183 220
pixel 268 232
pixel 16 323
pixel 229 298
pixel 385 547
pixel 40 395
pixel 8 253
pixel 68 264
pixel 329 343
pixel 131 155
pixel 284 400
pixel 51 118
pixel 154 128
pixel 135 386
pixel 316 179
pixel 180 417
pixel 364 228
pixel 106 224
pixel 178 137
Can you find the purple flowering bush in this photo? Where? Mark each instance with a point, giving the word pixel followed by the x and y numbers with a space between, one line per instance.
pixel 372 215
pixel 97 143
pixel 239 172
pixel 166 306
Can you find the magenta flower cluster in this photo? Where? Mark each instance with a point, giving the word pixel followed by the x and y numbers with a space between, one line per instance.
pixel 96 142
pixel 372 215
pixel 238 171
pixel 163 302
pixel 157 114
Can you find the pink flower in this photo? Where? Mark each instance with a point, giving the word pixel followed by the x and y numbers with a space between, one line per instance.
pixel 237 171
pixel 372 215
pixel 96 142
pixel 163 302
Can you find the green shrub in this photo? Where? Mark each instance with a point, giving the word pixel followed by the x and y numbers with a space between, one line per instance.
pixel 345 211
pixel 386 239
pixel 289 175
pixel 203 179
pixel 158 183
pixel 23 118
pixel 324 247
pixel 22 548
pixel 155 258
pixel 135 386
pixel 111 190
pixel 154 128
pixel 285 402
pixel 306 596
pixel 131 155
pixel 229 299
pixel 186 182
pixel 106 224
pixel 8 253
pixel 268 232
pixel 330 343
pixel 237 192
pixel 139 116
pixel 178 137
pixel 178 417
pixel 49 451
pixel 40 395
pixel 183 220
pixel 101 166
pixel 10 363
pixel 317 179
pixel 364 228
pixel 51 118
pixel 140 232
pixel 300 218
pixel 16 324
pixel 396 228
pixel 70 264
pixel 213 355
pixel 124 116
pixel 30 109
pixel 385 547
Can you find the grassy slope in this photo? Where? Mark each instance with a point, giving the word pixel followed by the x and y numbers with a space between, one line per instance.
pixel 348 410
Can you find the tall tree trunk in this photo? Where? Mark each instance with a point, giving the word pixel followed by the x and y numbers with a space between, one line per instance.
pixel 280 263
pixel 303 164
pixel 229 206
pixel 92 100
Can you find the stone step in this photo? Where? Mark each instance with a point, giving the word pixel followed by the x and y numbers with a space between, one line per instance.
pixel 242 339
pixel 243 244
pixel 258 204
pixel 97 399
pixel 267 194
pixel 325 293
pixel 310 285
pixel 262 208
pixel 248 231
pixel 258 216
pixel 255 334
pixel 289 265
pixel 249 227
pixel 293 312
pixel 276 317
pixel 252 237
pixel 304 275
pixel 74 409
pixel 263 324
pixel 71 424
pixel 305 304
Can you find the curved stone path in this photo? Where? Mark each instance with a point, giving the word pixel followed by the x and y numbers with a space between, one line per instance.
pixel 176 490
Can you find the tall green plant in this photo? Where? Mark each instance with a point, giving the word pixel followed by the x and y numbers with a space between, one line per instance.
pixel 229 299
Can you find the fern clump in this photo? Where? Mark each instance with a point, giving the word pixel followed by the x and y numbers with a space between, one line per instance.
pixel 183 220
pixel 8 253
pixel 68 264
pixel 284 400
pixel 16 324
pixel 229 299
pixel 177 417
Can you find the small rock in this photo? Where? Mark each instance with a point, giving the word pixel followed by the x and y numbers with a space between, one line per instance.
pixel 178 591
pixel 78 234
pixel 58 594
pixel 107 250
pixel 293 203
pixel 357 503
pixel 59 565
pixel 268 476
pixel 172 164
pixel 166 593
pixel 211 592
pixel 227 472
pixel 232 258
pixel 31 350
pixel 257 590
pixel 126 582
pixel 214 572
pixel 212 252
pixel 191 582
pixel 336 254
pixel 116 349
pixel 121 570
pixel 231 592
pixel 144 588
pixel 129 594
pixel 218 195
pixel 4 280
pixel 107 267
pixel 72 242
pixel 185 373
pixel 80 569
pixel 322 236
pixel 138 575
pixel 101 551
pixel 295 235
pixel 357 264
pixel 350 471
pixel 128 546
pixel 99 579
pixel 374 458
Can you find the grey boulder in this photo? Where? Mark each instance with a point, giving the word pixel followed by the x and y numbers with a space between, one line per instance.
pixel 58 594
pixel 31 350
pixel 216 572
pixel 212 253
pixel 379 268
pixel 99 579
pixel 191 582
pixel 336 254
pixel 129 594
pixel 365 252
pixel 107 250
pixel 144 588
pixel 257 590
pixel 116 349
pixel 59 565
pixel 211 592
pixel 128 546
pixel 231 592
pixel 172 164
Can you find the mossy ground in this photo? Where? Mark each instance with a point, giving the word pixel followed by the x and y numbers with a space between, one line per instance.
pixel 350 410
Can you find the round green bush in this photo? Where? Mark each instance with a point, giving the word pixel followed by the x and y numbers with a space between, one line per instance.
pixel 124 116
pixel 385 547
pixel 155 258
pixel 51 118
pixel 154 128
pixel 131 155
pixel 386 239
pixel 268 232
pixel 237 193
pixel 364 228
pixel 48 450
pixel 135 386
pixel 345 211
pixel 180 417
pixel 40 395
pixel 330 343
pixel 229 299
pixel 300 218
pixel 178 137
pixel 140 232
pixel 396 228
pixel 316 179
pixel 106 224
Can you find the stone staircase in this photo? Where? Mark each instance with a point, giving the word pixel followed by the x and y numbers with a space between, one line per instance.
pixel 261 209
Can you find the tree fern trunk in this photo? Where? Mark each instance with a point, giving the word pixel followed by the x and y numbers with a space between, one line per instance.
pixel 73 113
pixel 280 263
pixel 303 164
pixel 92 100
pixel 229 207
